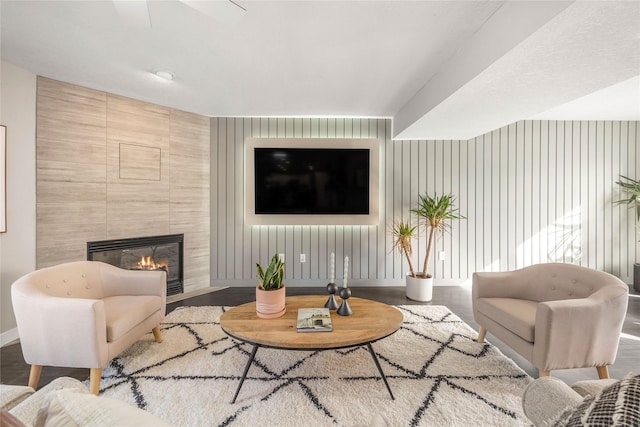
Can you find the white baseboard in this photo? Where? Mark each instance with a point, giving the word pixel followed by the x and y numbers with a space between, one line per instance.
pixel 8 336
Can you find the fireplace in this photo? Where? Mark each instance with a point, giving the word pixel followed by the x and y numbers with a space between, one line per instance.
pixel 144 253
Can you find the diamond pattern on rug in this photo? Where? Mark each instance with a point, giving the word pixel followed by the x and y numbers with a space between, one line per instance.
pixel 437 371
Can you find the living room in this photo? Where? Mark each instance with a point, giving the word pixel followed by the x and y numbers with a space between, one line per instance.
pixel 533 188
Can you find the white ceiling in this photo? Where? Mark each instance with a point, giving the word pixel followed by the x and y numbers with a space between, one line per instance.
pixel 441 69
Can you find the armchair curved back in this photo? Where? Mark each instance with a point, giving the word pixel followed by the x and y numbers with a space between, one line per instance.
pixel 80 279
pixel 546 282
pixel 557 281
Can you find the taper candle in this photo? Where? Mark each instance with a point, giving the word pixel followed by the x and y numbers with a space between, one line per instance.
pixel 346 271
pixel 332 270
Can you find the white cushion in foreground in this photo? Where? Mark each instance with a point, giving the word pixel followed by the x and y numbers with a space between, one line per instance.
pixel 73 408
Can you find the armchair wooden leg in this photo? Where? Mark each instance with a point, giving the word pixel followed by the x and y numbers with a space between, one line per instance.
pixel 482 333
pixel 34 376
pixel 603 372
pixel 156 334
pixel 543 373
pixel 94 380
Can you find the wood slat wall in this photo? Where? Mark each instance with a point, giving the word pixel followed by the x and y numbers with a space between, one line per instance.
pixel 534 191
pixel 82 193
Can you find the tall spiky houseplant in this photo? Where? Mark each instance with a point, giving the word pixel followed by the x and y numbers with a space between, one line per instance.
pixel 631 189
pixel 435 213
pixel 403 233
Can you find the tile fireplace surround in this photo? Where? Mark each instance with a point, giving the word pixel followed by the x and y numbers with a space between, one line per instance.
pixel 105 163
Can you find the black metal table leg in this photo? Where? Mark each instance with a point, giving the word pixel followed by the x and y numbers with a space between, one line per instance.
pixel 246 369
pixel 384 378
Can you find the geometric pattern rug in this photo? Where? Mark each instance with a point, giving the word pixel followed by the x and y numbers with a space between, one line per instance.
pixel 439 375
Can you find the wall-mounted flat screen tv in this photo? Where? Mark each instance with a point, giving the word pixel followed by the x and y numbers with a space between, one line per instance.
pixel 312 181
pixel 318 181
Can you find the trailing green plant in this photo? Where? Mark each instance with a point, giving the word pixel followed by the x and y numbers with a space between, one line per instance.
pixel 435 212
pixel 273 277
pixel 631 188
pixel 403 232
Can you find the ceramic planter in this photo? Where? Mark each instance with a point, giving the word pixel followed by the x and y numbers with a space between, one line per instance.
pixel 270 304
pixel 418 288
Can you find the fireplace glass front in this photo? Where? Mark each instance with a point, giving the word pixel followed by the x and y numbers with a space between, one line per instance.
pixel 144 253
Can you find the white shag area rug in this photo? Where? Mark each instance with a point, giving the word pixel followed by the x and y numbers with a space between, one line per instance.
pixel 439 374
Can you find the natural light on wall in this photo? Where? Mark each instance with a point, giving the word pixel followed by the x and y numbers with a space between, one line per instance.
pixel 560 241
pixel 565 238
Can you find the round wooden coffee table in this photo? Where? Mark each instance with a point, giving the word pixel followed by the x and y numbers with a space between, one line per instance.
pixel 370 322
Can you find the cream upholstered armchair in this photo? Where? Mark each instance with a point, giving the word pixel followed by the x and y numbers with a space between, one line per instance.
pixel 82 314
pixel 557 316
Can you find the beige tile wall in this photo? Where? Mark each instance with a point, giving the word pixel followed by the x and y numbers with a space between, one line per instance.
pixel 94 181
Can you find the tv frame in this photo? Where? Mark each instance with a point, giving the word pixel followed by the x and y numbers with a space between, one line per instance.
pixel 372 218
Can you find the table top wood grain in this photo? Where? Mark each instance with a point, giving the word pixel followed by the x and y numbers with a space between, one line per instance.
pixel 371 321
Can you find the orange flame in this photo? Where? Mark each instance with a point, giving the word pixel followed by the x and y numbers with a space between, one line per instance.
pixel 148 263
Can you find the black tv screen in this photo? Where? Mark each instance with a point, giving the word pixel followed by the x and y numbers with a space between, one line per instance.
pixel 316 181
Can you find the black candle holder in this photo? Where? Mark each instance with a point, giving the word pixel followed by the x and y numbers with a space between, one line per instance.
pixel 344 309
pixel 331 303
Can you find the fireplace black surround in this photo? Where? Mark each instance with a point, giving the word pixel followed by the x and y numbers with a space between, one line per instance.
pixel 144 253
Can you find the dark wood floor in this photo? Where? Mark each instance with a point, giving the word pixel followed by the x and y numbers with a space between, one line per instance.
pixel 13 370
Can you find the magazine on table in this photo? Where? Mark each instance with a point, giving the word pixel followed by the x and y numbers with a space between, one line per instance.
pixel 314 320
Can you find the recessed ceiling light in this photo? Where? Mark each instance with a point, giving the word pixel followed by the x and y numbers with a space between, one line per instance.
pixel 164 75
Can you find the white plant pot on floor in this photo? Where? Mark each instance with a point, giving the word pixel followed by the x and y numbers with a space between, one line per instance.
pixel 418 288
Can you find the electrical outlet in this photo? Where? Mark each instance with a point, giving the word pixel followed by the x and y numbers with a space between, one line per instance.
pixel 441 255
pixel 281 256
pixel 303 257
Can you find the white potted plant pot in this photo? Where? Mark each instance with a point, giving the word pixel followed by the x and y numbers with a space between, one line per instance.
pixel 419 288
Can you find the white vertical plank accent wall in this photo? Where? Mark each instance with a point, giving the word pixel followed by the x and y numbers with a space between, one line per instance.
pixel 110 167
pixel 533 191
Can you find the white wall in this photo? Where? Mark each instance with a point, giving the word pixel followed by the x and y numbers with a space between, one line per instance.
pixel 533 191
pixel 18 244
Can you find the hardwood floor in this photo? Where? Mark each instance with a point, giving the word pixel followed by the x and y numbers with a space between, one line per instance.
pixel 13 369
